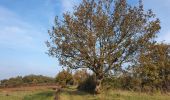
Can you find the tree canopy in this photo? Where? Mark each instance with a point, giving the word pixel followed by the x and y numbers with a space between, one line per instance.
pixel 153 67
pixel 102 35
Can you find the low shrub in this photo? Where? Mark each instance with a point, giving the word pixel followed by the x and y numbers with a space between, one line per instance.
pixel 88 85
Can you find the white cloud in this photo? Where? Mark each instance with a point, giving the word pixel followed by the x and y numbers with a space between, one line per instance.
pixel 15 37
pixel 67 5
pixel 16 33
pixel 22 43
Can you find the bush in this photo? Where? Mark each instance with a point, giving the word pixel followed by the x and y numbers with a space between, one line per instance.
pixel 79 76
pixel 12 82
pixel 111 82
pixel 88 85
pixel 64 78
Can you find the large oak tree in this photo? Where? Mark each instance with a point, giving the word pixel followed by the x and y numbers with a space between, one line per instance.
pixel 102 35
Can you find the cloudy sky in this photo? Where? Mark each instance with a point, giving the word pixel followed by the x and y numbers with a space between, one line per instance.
pixel 23 31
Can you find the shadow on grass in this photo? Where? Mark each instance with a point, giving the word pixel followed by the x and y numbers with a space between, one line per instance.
pixel 75 92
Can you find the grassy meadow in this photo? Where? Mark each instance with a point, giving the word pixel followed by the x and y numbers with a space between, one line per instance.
pixel 44 93
pixel 73 94
pixel 27 93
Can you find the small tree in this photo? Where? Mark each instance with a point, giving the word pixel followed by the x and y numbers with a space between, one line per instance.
pixel 102 35
pixel 80 76
pixel 154 66
pixel 64 78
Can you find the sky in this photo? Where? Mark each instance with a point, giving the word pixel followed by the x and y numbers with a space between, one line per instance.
pixel 23 32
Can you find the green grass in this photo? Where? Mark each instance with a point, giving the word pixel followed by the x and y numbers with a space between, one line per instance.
pixel 73 94
pixel 27 95
pixel 17 95
pixel 46 95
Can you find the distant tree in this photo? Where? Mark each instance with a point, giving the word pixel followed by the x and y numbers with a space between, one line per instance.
pixel 37 79
pixel 64 78
pixel 12 82
pixel 26 80
pixel 102 35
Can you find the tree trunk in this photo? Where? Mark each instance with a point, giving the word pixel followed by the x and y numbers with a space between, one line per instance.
pixel 98 86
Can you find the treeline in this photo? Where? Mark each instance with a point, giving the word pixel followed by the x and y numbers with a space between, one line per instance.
pixel 149 72
pixel 122 80
pixel 29 80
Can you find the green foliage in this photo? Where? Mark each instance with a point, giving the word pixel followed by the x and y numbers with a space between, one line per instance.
pixel 27 80
pixel 12 82
pixel 111 82
pixel 37 79
pixel 44 95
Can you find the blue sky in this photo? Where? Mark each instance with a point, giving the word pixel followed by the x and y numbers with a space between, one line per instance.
pixel 23 31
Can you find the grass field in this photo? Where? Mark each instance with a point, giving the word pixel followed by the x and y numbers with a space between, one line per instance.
pixel 27 93
pixel 44 93
pixel 73 94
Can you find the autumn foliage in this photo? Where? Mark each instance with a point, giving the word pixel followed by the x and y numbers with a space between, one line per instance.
pixel 102 36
